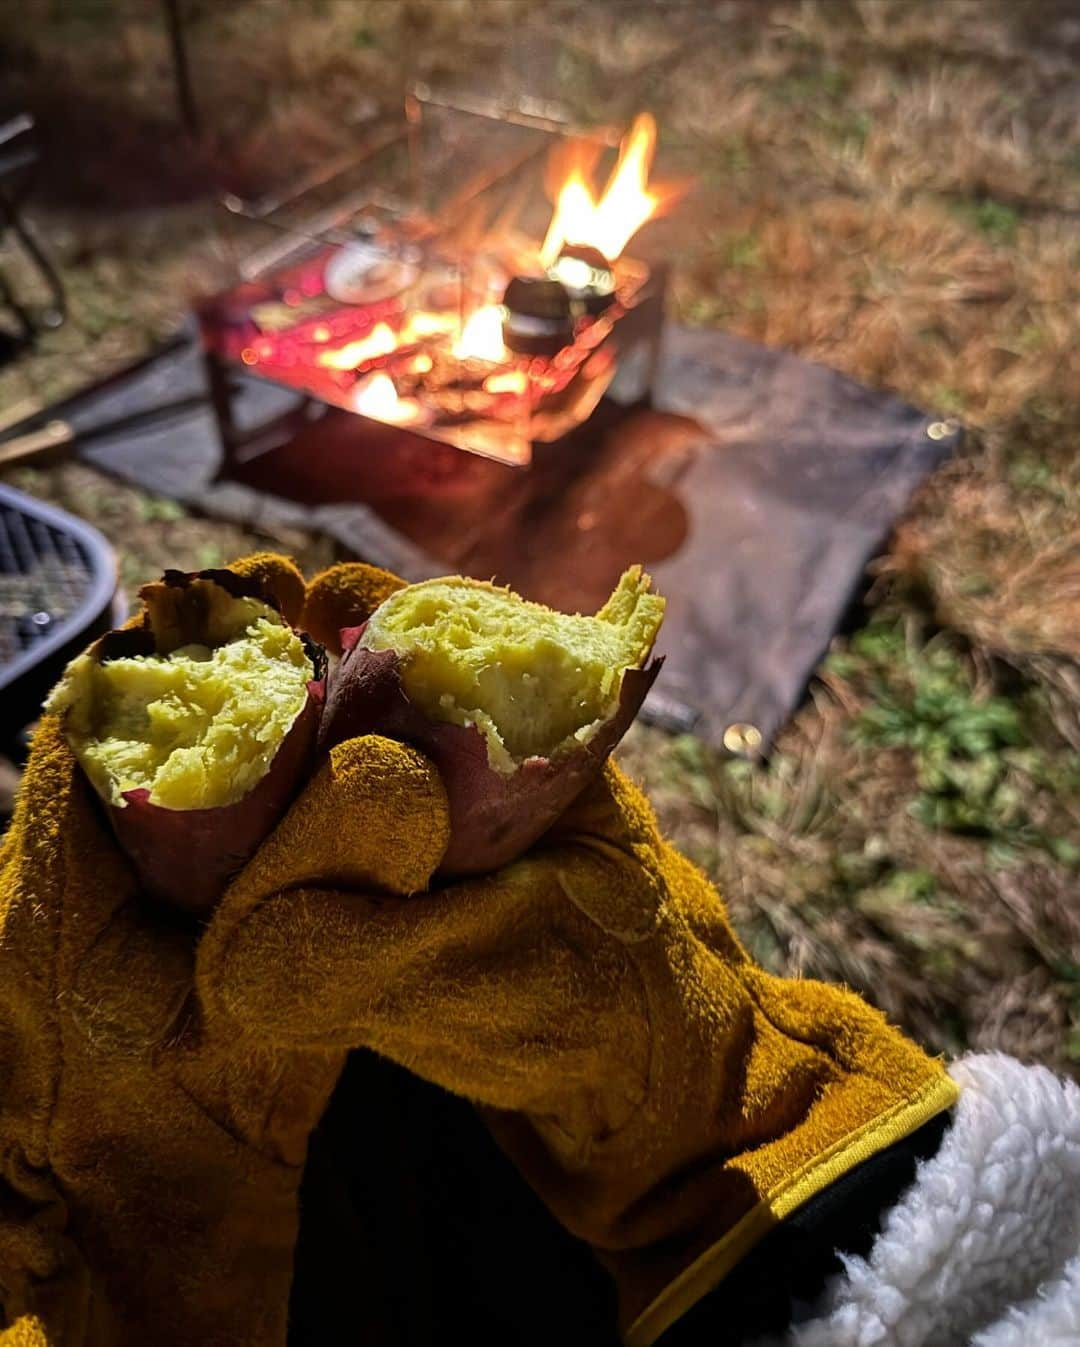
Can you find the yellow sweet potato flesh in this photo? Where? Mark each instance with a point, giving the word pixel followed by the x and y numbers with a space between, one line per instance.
pixel 197 727
pixel 534 681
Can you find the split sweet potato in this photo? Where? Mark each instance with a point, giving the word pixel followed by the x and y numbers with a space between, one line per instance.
pixel 195 728
pixel 518 706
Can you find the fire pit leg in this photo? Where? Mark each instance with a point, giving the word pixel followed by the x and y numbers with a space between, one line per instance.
pixel 238 444
pixel 641 338
pixel 220 389
pixel 652 320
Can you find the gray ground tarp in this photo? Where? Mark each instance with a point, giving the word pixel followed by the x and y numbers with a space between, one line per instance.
pixel 756 516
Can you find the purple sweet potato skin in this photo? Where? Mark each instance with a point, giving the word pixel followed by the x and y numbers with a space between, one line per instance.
pixel 494 818
pixel 186 857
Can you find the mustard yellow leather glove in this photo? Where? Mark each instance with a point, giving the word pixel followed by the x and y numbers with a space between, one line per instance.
pixel 149 1158
pixel 668 1100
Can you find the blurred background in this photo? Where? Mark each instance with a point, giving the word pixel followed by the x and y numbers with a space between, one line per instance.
pixel 889 187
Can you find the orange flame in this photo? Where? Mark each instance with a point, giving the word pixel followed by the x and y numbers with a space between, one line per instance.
pixel 379 341
pixel 481 337
pixel 607 221
pixel 378 398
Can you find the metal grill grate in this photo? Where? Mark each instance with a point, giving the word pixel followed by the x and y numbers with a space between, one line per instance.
pixel 45 574
pixel 57 589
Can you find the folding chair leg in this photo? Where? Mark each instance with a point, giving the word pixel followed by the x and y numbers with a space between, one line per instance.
pixel 56 312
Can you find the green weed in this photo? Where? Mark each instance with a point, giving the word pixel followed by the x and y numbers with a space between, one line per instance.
pixel 992 218
pixel 975 767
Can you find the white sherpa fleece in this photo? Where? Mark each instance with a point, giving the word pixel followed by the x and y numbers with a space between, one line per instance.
pixel 984 1249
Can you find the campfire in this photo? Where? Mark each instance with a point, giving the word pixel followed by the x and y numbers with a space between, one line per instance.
pixel 461 323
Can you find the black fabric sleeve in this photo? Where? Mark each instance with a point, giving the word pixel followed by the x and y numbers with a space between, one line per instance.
pixel 776 1284
pixel 416 1230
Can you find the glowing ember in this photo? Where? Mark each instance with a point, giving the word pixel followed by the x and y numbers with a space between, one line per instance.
pixel 424 324
pixel 482 337
pixel 378 398
pixel 608 221
pixel 379 341
pixel 513 381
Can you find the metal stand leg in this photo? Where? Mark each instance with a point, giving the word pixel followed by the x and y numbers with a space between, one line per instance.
pixel 18 161
pixel 656 305
pixel 220 390
pixel 185 96
pixel 241 445
pixel 56 312
pixel 10 300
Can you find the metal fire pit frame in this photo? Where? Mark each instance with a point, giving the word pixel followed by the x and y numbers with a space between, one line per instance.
pixel 634 340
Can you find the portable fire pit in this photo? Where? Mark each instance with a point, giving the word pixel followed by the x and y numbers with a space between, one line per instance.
pixel 449 311
pixel 476 292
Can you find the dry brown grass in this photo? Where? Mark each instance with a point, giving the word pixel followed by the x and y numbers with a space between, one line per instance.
pixel 150 533
pixel 889 186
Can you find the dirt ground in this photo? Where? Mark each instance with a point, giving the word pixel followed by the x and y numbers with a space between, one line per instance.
pixel 891 188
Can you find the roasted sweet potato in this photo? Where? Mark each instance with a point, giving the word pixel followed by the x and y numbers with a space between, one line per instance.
pixel 517 705
pixel 195 729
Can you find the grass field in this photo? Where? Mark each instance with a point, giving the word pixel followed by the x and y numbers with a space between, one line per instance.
pixel 891 188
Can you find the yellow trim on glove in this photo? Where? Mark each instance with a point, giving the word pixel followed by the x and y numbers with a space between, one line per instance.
pixel 716 1262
